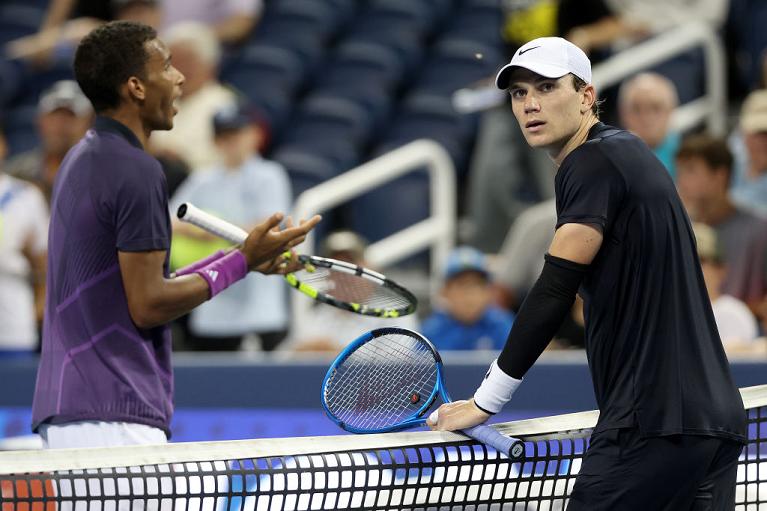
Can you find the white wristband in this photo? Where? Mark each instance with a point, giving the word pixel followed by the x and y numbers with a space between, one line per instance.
pixel 496 389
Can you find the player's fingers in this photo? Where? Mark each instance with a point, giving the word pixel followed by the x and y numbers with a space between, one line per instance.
pixel 269 223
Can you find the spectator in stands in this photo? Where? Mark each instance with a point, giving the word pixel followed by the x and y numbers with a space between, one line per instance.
pixel 196 53
pixel 23 242
pixel 749 183
pixel 243 188
pixel 704 168
pixel 736 324
pixel 646 103
pixel 231 20
pixel 64 115
pixel 466 318
pixel 68 21
pixel 328 329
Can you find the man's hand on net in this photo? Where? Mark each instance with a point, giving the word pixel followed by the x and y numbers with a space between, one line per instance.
pixel 456 415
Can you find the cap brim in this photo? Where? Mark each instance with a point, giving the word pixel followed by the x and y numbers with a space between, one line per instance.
pixel 503 77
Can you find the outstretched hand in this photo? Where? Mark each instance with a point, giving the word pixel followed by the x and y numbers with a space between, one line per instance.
pixel 266 243
pixel 456 415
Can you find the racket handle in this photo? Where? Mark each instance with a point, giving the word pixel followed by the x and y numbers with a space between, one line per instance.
pixel 511 447
pixel 214 225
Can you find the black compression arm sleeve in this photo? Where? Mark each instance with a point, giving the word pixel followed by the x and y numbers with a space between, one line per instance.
pixel 541 314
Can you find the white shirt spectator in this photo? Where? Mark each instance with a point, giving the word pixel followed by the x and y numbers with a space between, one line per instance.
pixel 23 226
pixel 246 196
pixel 734 320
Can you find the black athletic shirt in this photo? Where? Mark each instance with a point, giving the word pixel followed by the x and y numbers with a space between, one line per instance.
pixel 654 351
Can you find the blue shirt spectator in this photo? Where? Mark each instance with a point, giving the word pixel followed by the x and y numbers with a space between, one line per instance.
pixel 467 318
pixel 244 189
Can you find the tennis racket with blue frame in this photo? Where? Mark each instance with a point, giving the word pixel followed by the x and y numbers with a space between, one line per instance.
pixel 386 380
pixel 337 283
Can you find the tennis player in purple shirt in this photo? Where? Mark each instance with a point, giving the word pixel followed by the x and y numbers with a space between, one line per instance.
pixel 105 375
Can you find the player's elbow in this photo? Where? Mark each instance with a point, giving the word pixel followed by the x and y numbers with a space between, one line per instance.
pixel 145 316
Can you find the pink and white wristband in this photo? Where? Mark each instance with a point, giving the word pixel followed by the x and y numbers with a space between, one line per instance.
pixel 224 271
pixel 186 270
pixel 496 389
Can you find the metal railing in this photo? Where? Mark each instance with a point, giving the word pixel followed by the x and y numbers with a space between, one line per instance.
pixel 435 232
pixel 712 107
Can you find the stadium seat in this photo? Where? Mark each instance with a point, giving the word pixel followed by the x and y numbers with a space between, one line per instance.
pixel 18 20
pixel 21 129
pixel 263 69
pixel 332 127
pixel 406 43
pixel 424 115
pixel 477 20
pixel 391 207
pixel 386 16
pixel 300 17
pixel 457 63
pixel 357 66
pixel 305 169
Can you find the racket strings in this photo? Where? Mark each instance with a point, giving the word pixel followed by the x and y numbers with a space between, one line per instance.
pixel 353 289
pixel 383 383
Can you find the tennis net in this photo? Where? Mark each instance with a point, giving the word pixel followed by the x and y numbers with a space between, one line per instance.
pixel 407 471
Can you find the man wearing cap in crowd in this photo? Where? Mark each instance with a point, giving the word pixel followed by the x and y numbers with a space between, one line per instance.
pixel 244 189
pixel 64 114
pixel 671 423
pixel 466 318
pixel 749 184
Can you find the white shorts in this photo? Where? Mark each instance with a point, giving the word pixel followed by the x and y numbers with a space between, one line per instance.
pixel 99 434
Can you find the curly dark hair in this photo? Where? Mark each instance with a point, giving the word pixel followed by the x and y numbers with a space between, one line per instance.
pixel 107 57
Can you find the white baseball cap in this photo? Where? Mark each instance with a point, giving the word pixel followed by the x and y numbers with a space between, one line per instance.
pixel 552 57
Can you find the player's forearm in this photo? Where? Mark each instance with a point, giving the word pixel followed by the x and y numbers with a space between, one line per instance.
pixel 541 315
pixel 169 300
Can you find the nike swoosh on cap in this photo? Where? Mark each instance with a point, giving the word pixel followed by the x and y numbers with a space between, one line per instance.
pixel 522 52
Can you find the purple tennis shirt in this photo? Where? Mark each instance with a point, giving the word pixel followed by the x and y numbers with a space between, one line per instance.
pixel 96 364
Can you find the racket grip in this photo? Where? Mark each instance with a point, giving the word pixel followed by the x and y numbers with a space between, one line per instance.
pixel 511 447
pixel 214 225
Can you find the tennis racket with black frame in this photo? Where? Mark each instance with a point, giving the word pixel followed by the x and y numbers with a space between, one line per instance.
pixel 386 380
pixel 337 283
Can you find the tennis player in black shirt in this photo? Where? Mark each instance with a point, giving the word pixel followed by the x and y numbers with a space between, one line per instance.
pixel 671 422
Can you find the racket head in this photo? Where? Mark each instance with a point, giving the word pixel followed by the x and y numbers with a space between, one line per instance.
pixel 352 288
pixel 385 380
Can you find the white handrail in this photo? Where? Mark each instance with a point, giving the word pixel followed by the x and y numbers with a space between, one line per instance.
pixel 712 107
pixel 436 232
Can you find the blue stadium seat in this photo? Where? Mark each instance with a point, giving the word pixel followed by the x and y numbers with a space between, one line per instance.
pixel 300 17
pixel 406 43
pixel 263 69
pixel 425 115
pixel 357 66
pixel 477 20
pixel 386 16
pixel 332 127
pixel 305 169
pixel 21 129
pixel 456 63
pixel 275 107
pixel 390 207
pixel 18 20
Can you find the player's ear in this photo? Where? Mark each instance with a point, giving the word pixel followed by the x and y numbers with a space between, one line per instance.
pixel 135 88
pixel 589 97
